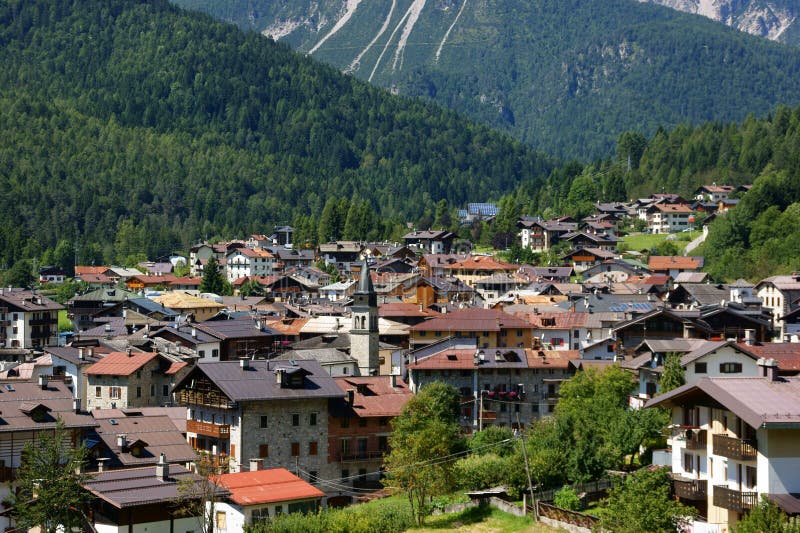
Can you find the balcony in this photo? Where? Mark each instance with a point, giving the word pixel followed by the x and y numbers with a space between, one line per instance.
pixel 361 456
pixel 43 322
pixel 690 489
pixel 734 500
pixel 67 380
pixel 698 439
pixel 733 448
pixel 207 429
pixel 42 334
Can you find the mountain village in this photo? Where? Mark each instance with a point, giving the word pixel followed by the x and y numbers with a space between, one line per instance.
pixel 287 397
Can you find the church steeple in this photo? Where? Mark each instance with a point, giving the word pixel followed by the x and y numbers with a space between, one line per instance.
pixel 364 333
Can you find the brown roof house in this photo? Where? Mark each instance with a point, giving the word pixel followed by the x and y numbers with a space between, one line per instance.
pixel 27 319
pixel 27 409
pixel 275 411
pixel 733 441
pixel 132 379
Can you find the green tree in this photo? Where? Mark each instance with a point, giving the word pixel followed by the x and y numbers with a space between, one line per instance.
pixel 213 280
pixel 641 502
pixel 673 375
pixel 443 219
pixel 425 433
pixel 198 497
pixel 493 439
pixel 49 491
pixel 20 275
pixel 581 197
pixel 630 147
pixel 767 517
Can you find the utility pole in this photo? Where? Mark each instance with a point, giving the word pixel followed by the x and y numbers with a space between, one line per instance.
pixel 528 471
pixel 480 414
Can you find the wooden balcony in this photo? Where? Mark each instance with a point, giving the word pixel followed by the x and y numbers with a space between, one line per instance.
pixel 698 439
pixel 43 321
pixel 734 500
pixel 207 429
pixel 690 489
pixel 733 448
pixel 42 334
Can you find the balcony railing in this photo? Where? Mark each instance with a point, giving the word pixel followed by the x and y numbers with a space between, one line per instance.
pixel 220 431
pixel 361 456
pixel 733 448
pixel 59 377
pixel 43 322
pixel 734 500
pixel 697 439
pixel 42 334
pixel 690 489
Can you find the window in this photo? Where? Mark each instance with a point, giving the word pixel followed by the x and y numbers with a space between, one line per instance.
pixel 115 392
pixel 423 333
pixel 312 419
pixel 313 476
pixel 688 462
pixel 730 368
pixel 362 422
pixel 344 446
pixel 263 450
pixel 295 449
pixel 519 333
pixel 383 443
pixel 215 352
pixel 437 333
pixel 263 422
pixel 504 333
pixel 383 421
pixel 260 515
pixel 138 374
pixel 312 448
pixel 345 474
pixel 700 368
pixel 221 522
pixel 344 423
pixel 98 392
pixel 138 392
pixel 165 390
pixel 295 419
pixel 202 354
pixel 152 389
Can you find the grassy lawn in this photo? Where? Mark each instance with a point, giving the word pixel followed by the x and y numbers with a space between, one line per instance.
pixel 64 323
pixel 645 241
pixel 483 520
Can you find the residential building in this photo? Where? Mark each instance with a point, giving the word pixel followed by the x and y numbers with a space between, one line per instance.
pixel 194 307
pixel 496 385
pixel 143 499
pixel 491 327
pixel 359 426
pixel 27 319
pixel 714 192
pixel 275 411
pixel 52 274
pixel 132 379
pixel 667 218
pixel 69 364
pixel 734 441
pixel 673 265
pixel 430 241
pixel 83 308
pixel 259 495
pixel 781 295
pixel 244 262
pixel 29 410
pixel 477 267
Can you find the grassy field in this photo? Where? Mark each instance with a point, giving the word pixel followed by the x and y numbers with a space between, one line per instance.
pixel 64 323
pixel 645 241
pixel 483 520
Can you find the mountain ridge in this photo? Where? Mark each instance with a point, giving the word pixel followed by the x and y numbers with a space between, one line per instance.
pixel 564 77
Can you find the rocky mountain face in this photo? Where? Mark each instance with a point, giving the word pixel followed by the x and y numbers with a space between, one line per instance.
pixel 776 20
pixel 564 76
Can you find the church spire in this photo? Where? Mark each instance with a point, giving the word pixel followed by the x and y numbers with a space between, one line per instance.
pixel 365 285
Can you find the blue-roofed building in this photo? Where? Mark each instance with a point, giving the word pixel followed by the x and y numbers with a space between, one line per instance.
pixel 477 211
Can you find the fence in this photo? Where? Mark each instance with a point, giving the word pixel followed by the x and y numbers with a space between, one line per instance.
pixel 564 516
pixel 601 485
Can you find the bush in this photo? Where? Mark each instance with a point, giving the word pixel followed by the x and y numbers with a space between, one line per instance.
pixel 567 498
pixel 390 517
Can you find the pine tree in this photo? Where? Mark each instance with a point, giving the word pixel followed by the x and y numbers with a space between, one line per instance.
pixel 213 281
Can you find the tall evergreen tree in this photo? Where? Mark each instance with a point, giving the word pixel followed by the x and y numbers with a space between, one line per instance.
pixel 213 280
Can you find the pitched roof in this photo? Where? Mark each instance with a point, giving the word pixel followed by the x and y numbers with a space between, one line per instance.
pixel 157 431
pixel 267 486
pixel 373 396
pixel 120 363
pixel 669 262
pixel 471 319
pixel 258 381
pixel 759 401
pixel 27 301
pixel 181 300
pixel 56 397
pixel 132 487
pixel 786 353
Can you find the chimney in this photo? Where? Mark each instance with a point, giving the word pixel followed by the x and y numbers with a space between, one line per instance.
pixel 91 352
pixel 243 363
pixel 81 354
pixel 128 351
pixel 393 381
pixel 162 468
pixel 687 331
pixel 351 397
pixel 76 405
pixel 122 441
pixel 43 382
pixel 256 465
pixel 101 464
pixel 769 368
pixel 750 337
pixel 194 333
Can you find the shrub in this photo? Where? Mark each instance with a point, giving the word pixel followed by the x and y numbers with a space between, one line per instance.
pixel 567 498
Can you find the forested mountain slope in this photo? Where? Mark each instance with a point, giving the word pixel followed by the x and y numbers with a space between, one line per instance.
pixel 566 76
pixel 146 124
